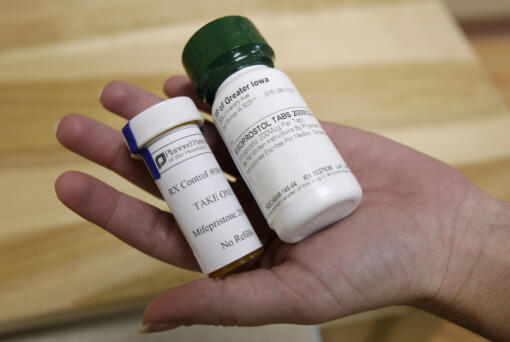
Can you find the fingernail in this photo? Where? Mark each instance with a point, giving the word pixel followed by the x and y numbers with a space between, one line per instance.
pixel 100 93
pixel 155 327
pixel 229 177
pixel 55 127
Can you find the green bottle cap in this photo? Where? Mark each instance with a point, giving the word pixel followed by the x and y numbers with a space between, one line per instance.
pixel 219 49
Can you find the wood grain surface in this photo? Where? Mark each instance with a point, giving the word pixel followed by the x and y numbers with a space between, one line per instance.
pixel 400 68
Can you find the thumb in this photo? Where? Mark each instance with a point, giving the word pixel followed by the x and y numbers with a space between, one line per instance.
pixel 246 299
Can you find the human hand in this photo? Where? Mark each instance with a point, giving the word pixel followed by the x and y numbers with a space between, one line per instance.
pixel 415 239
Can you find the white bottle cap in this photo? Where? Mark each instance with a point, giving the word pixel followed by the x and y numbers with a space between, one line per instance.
pixel 157 119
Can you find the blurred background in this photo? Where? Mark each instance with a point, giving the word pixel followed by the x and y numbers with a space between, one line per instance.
pixel 432 75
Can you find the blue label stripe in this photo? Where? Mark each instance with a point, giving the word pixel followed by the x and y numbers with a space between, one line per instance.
pixel 146 155
pixel 134 149
pixel 130 139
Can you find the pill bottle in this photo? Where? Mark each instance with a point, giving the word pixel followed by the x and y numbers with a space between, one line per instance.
pixel 167 136
pixel 297 176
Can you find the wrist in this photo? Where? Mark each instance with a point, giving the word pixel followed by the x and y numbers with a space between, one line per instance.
pixel 475 286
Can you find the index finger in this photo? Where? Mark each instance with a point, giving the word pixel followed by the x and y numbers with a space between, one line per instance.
pixel 182 86
pixel 125 99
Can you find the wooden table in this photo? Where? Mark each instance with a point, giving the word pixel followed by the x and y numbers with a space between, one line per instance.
pixel 400 68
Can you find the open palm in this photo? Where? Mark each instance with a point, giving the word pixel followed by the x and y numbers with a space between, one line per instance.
pixel 396 248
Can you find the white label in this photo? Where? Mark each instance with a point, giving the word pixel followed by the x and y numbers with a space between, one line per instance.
pixel 201 200
pixel 276 142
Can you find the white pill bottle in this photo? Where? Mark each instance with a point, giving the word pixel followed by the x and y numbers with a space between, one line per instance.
pixel 168 138
pixel 297 176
